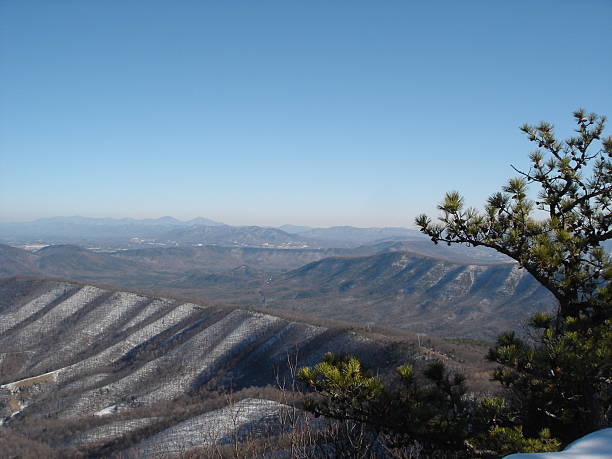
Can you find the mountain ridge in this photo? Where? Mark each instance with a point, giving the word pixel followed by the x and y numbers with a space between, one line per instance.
pixel 412 292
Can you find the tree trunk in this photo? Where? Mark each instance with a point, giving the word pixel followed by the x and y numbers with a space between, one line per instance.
pixel 597 413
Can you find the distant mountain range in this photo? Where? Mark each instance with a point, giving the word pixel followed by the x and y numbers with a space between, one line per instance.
pixel 79 229
pixel 168 231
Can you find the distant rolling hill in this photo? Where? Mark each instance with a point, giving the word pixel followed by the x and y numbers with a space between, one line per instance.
pixel 69 259
pixel 350 236
pixel 17 261
pixel 241 236
pixel 66 259
pixel 218 258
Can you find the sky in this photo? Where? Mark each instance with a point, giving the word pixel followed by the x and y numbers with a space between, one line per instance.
pixel 317 113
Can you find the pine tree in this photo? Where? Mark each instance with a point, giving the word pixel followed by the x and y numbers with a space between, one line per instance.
pixel 562 380
pixel 436 414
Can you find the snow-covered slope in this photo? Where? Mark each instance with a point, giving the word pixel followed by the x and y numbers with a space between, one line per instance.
pixel 71 350
pixel 249 418
pixel 106 365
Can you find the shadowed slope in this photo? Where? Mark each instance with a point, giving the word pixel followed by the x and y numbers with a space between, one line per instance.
pixel 412 292
pixel 101 348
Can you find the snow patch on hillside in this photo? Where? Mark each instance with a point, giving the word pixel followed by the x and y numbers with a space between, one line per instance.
pixel 248 418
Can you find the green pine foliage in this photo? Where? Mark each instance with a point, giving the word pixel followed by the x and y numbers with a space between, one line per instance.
pixel 508 440
pixel 438 414
pixel 561 379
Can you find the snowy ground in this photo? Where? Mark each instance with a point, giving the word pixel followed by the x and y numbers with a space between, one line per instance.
pixel 596 445
pixel 247 418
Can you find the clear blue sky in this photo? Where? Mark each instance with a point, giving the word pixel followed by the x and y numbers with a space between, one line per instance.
pixel 271 112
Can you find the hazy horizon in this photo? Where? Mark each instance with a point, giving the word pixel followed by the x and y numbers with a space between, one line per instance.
pixel 318 114
pixel 187 219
